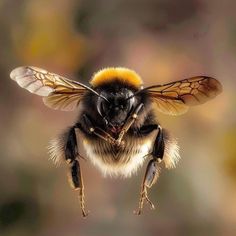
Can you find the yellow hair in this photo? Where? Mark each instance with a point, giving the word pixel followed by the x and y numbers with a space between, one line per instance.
pixel 121 74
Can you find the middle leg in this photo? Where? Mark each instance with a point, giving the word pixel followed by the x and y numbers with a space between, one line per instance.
pixel 75 174
pixel 152 170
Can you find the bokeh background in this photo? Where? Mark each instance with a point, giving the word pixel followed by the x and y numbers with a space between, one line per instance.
pixel 163 40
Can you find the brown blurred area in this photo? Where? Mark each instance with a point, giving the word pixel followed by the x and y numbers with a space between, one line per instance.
pixel 163 41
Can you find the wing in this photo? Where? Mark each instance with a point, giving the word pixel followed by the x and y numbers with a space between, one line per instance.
pixel 57 91
pixel 176 97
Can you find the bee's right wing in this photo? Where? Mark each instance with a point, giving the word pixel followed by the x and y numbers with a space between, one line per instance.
pixel 176 97
pixel 58 92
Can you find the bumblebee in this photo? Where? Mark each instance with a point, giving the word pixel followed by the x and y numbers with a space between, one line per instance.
pixel 116 126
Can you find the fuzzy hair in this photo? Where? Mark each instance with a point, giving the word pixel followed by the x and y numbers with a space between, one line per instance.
pixel 171 153
pixel 121 74
pixel 125 163
pixel 56 149
pixel 171 156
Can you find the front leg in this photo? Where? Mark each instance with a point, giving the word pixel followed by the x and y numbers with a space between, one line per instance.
pixel 129 122
pixel 75 174
pixel 152 170
pixel 91 129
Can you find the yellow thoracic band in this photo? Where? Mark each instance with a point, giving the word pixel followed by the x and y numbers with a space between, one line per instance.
pixel 121 74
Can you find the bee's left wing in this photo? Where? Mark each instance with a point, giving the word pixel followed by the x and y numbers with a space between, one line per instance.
pixel 176 97
pixel 57 91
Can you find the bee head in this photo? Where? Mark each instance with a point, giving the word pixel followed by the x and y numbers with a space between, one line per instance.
pixel 117 106
pixel 116 87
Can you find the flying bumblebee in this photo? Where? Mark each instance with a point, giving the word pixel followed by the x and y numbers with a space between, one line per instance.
pixel 116 125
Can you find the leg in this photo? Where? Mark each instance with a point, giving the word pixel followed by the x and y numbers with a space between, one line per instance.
pixel 150 177
pixel 131 119
pixel 75 175
pixel 98 131
pixel 107 137
pixel 152 170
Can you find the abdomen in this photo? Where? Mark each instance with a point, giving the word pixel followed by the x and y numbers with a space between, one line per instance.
pixel 123 161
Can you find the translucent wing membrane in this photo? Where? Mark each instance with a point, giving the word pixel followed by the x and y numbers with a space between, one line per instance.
pixel 175 98
pixel 58 92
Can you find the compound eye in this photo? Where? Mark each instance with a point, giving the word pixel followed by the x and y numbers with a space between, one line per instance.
pixel 131 102
pixel 100 107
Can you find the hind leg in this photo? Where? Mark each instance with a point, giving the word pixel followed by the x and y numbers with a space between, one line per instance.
pixel 75 174
pixel 152 170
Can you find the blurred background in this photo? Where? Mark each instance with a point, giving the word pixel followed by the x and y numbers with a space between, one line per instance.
pixel 163 40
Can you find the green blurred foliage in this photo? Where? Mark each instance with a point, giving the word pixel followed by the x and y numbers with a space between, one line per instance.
pixel 163 40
